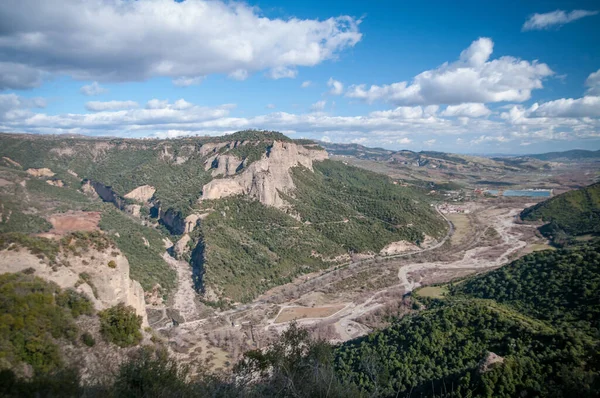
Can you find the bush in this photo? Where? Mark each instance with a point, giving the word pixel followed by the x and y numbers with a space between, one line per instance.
pixel 121 325
pixel 78 303
pixel 88 339
pixel 112 264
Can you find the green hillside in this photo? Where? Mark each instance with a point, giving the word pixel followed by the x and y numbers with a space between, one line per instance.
pixel 569 214
pixel 540 314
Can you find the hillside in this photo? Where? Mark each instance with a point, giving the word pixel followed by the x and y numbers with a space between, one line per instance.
pixel 572 155
pixel 248 211
pixel 572 213
pixel 539 319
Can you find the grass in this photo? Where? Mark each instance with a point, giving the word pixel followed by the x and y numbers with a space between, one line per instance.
pixel 433 291
pixel 462 227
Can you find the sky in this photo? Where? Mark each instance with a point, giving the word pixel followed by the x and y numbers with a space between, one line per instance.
pixel 480 77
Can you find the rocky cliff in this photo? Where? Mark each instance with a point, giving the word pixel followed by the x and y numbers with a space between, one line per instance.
pixel 102 275
pixel 265 178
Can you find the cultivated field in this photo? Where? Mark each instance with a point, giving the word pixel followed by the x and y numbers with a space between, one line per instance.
pixel 291 313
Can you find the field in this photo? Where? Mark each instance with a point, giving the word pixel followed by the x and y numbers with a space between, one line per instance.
pixel 462 227
pixel 290 313
pixel 433 291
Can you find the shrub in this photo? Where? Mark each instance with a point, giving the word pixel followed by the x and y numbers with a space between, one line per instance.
pixel 78 303
pixel 88 339
pixel 121 325
pixel 112 264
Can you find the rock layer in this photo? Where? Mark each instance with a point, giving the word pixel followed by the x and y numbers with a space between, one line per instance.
pixel 265 178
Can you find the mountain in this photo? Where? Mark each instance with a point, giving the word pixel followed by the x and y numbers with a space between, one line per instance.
pixel 572 155
pixel 248 211
pixel 572 213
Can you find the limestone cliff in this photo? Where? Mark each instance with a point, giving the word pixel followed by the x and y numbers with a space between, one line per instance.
pixel 264 178
pixel 102 275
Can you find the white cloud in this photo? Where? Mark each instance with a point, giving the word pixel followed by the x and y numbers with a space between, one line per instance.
pixel 118 40
pixel 467 109
pixel 306 83
pixel 101 106
pixel 588 106
pixel 282 72
pixel 555 19
pixel 325 139
pixel 336 87
pixel 93 89
pixel 430 142
pixel 392 128
pixel 184 81
pixel 593 83
pixel 270 106
pixel 318 106
pixel 473 78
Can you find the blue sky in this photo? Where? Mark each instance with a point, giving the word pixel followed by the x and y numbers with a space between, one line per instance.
pixel 469 76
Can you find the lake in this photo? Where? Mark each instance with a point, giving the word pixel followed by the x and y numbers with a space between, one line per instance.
pixel 522 192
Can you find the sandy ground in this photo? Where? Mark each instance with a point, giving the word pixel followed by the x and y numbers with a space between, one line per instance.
pixel 65 223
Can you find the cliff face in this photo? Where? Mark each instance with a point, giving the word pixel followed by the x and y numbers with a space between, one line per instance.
pixel 264 178
pixel 88 273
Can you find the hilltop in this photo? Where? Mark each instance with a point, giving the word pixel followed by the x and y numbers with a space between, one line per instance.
pixel 570 214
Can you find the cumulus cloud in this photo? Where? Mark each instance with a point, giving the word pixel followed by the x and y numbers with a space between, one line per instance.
pixel 473 78
pixel 270 106
pixel 306 84
pixel 593 83
pixel 588 106
pixel 392 128
pixel 318 106
pixel 184 81
pixel 101 106
pixel 121 40
pixel 555 19
pixel 336 87
pixel 18 76
pixel 93 89
pixel 467 109
pixel 430 142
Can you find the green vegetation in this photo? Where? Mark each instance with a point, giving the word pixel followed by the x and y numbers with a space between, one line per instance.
pixel 146 263
pixel 540 314
pixel 42 247
pixel 121 325
pixel 569 214
pixel 33 315
pixel 344 202
pixel 88 339
pixel 561 287
pixel 250 248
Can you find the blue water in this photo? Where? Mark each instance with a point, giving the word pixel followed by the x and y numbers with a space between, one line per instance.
pixel 524 192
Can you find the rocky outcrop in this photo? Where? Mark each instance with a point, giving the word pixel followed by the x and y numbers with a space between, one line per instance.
pixel 107 194
pixel 56 183
pixel 192 221
pixel 398 247
pixel 11 162
pixel 142 194
pixel 173 221
pixel 224 165
pixel 209 148
pixel 265 178
pixel 181 247
pixel 44 172
pixel 88 272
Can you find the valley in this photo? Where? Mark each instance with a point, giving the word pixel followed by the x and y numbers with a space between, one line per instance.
pixel 338 303
pixel 224 244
